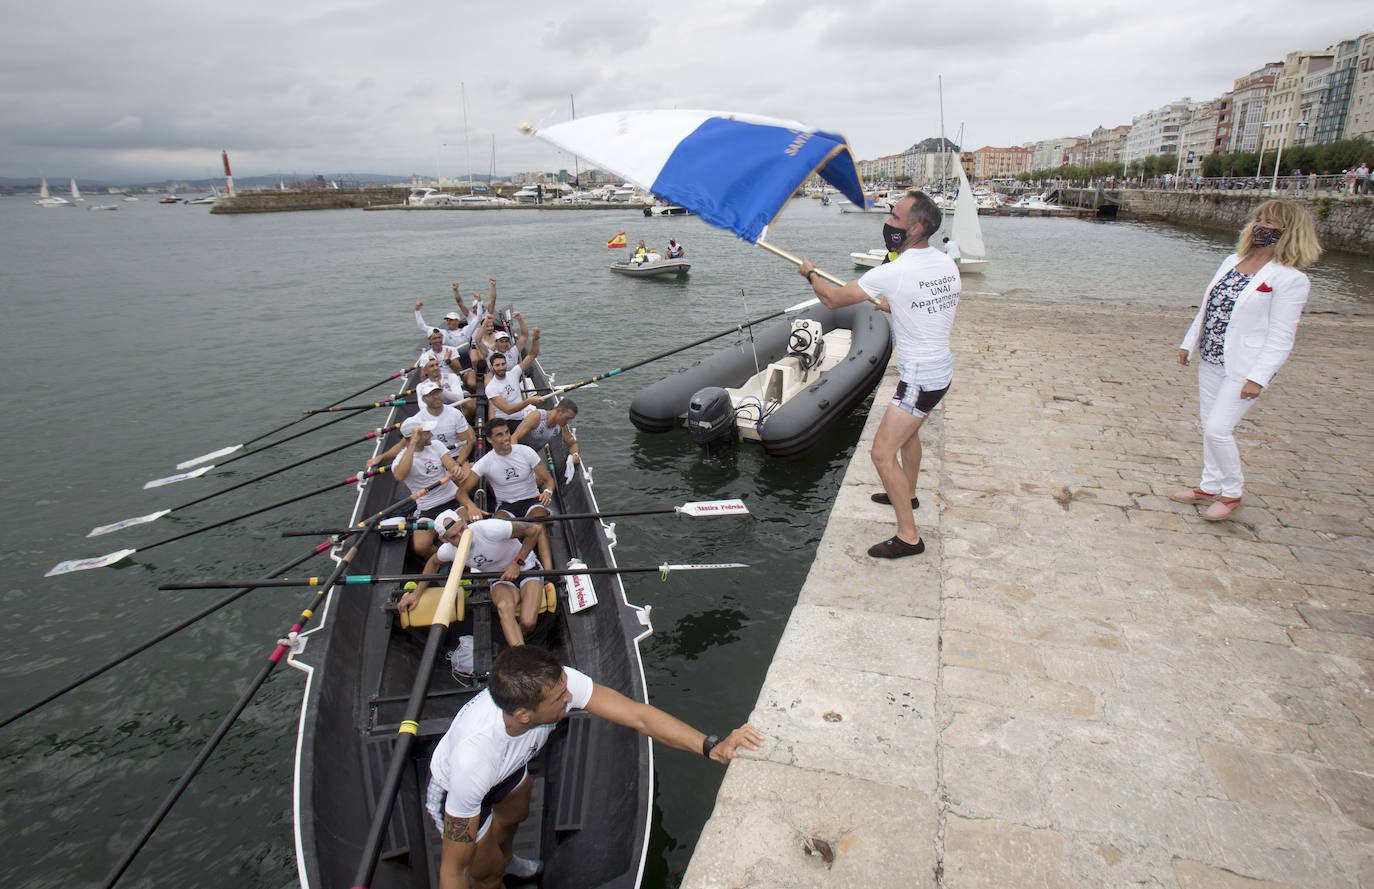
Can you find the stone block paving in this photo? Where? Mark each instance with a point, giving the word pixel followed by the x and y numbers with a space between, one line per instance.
pixel 1082 684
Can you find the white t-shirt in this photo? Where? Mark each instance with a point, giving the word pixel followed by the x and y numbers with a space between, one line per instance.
pixel 476 753
pixel 512 476
pixel 508 389
pixel 443 356
pixel 451 422
pixel 922 286
pixel 426 469
pixel 452 338
pixel 492 549
pixel 952 249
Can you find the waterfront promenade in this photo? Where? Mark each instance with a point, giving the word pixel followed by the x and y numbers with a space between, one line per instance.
pixel 1082 684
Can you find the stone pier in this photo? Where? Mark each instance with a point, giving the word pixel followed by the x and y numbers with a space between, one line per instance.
pixel 1081 684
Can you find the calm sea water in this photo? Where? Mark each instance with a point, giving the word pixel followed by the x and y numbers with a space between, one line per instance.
pixel 139 338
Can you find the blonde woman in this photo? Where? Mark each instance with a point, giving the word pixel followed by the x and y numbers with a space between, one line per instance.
pixel 1241 336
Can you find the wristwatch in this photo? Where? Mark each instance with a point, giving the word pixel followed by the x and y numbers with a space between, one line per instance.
pixel 709 742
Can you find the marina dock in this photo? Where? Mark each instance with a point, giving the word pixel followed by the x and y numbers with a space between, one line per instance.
pixel 1081 684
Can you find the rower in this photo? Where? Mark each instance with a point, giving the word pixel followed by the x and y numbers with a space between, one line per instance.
pixel 451 429
pixel 479 790
pixel 541 427
pixel 519 480
pixel 504 392
pixel 455 391
pixel 424 465
pixel 497 545
pixel 520 350
pixel 450 363
pixel 453 333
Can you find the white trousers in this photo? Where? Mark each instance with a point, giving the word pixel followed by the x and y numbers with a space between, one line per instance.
pixel 1221 409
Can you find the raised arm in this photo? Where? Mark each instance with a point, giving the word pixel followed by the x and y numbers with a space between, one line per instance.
pixel 491 306
pixel 419 321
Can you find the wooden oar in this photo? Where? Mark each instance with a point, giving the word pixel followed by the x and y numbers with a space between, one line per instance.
pixel 214 455
pixel 195 473
pixel 706 508
pixel 558 390
pixel 283 646
pixel 363 407
pixel 361 579
pixel 154 516
pixel 410 723
pixel 796 260
pixel 167 633
pixel 111 558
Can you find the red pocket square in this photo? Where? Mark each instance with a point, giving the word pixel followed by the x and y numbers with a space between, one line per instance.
pixel 1264 288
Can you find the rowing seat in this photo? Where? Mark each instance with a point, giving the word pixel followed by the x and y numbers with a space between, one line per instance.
pixel 376 760
pixel 422 615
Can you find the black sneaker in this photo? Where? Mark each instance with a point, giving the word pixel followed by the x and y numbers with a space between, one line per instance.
pixel 881 497
pixel 896 548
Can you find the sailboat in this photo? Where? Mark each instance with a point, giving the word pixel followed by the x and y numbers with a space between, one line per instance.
pixel 46 199
pixel 966 230
pixel 76 193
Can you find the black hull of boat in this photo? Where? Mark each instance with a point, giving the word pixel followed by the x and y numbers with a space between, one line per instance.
pixel 595 778
pixel 796 426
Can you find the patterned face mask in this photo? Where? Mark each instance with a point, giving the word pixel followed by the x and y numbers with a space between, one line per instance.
pixel 1263 235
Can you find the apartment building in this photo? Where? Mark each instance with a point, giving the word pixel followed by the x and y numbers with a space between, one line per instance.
pixel 998 163
pixel 1359 119
pixel 1157 131
pixel 1249 96
pixel 1297 90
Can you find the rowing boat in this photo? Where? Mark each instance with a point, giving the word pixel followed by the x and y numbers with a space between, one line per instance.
pixel 592 784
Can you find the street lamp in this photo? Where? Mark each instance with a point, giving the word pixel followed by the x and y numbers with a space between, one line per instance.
pixel 1259 166
pixel 1274 182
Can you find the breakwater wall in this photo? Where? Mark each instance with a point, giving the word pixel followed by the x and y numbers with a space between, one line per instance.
pixel 321 199
pixel 1344 222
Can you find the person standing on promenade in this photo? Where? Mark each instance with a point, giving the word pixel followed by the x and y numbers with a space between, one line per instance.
pixel 921 289
pixel 479 790
pixel 1362 179
pixel 1243 333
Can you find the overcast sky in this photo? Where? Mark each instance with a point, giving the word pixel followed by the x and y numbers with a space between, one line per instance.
pixel 150 89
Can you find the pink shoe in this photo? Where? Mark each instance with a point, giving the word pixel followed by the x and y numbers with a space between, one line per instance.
pixel 1192 496
pixel 1222 509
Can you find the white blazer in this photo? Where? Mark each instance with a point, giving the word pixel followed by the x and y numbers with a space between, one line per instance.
pixel 1259 335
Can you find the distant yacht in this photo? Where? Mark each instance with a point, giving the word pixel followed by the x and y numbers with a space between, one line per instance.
pixel 76 193
pixel 45 198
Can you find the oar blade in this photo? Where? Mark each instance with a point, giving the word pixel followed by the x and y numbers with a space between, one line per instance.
pixel 126 523
pixel 213 455
pixel 581 592
pixel 714 508
pixel 802 305
pixel 179 477
pixel 85 564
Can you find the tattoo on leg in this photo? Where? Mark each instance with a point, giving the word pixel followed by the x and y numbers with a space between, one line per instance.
pixel 459 830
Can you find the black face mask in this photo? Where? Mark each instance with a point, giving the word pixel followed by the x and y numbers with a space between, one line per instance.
pixel 893 237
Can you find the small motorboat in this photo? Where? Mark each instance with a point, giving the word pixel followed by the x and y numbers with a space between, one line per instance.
pixel 652 268
pixel 868 259
pixel 666 210
pixel 784 387
pixel 103 207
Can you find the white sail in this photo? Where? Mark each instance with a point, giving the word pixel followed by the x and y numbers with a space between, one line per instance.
pixel 76 192
pixel 965 228
pixel 43 190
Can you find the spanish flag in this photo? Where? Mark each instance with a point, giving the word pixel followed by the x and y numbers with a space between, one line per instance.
pixel 617 241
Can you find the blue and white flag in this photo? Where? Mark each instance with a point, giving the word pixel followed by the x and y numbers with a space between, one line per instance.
pixel 736 171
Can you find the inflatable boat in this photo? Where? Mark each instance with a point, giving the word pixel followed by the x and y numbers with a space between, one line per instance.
pixel 784 389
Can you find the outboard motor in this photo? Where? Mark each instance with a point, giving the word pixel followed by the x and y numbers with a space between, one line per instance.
pixel 711 417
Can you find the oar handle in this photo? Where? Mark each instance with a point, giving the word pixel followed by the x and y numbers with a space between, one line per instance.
pixel 451 602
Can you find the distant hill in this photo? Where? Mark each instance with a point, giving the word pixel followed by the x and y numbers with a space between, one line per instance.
pixel 10 185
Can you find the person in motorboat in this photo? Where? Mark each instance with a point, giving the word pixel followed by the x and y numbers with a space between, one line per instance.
pixel 952 250
pixel 504 391
pixel 641 253
pixel 497 545
pixel 541 427
pixel 479 791
pixel 675 250
pixel 424 465
pixel 921 289
pixel 519 480
pixel 451 428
